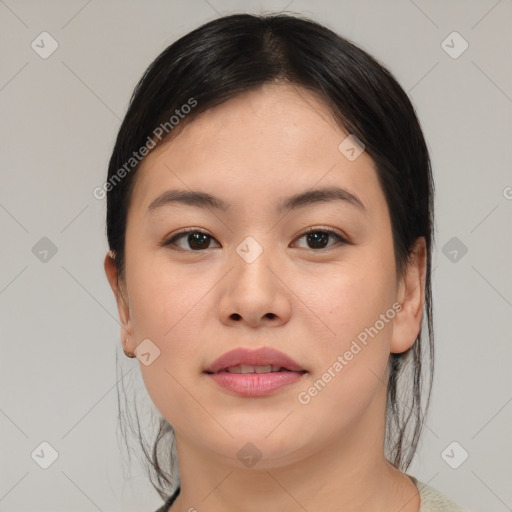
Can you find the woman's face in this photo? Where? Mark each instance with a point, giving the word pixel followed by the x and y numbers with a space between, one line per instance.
pixel 257 280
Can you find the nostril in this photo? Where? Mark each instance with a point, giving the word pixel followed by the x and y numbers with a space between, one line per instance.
pixel 270 315
pixel 236 316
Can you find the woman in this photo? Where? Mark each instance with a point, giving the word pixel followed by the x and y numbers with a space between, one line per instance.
pixel 270 224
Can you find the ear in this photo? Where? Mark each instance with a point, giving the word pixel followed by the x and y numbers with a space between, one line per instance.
pixel 122 302
pixel 411 295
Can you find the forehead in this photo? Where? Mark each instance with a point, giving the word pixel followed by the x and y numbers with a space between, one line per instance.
pixel 273 141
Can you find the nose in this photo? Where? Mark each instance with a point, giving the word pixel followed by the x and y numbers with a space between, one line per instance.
pixel 253 294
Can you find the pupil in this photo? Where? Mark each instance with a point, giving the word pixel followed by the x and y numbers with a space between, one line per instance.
pixel 194 240
pixel 317 237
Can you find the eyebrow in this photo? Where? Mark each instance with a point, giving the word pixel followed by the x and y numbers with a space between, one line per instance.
pixel 309 197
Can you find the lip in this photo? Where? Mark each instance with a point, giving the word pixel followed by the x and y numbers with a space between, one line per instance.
pixel 260 357
pixel 255 384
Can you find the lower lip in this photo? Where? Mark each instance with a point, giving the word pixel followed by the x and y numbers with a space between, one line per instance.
pixel 255 384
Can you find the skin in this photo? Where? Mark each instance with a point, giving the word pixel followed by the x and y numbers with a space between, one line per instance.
pixel 253 151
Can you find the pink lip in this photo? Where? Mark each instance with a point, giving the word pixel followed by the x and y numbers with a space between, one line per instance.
pixel 255 384
pixel 259 357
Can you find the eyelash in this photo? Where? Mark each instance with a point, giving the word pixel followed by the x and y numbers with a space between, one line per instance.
pixel 175 237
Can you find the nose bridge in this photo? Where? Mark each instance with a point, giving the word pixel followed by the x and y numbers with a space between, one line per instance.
pixel 253 294
pixel 251 259
pixel 250 249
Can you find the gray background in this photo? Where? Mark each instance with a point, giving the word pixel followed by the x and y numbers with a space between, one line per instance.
pixel 59 329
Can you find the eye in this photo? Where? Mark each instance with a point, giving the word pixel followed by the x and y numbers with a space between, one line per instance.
pixel 318 237
pixel 196 239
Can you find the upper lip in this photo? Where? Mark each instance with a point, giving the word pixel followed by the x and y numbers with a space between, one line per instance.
pixel 260 357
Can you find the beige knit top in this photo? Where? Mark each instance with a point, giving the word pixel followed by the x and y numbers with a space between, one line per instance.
pixel 432 500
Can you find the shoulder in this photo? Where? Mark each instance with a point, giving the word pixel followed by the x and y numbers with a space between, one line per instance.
pixel 432 500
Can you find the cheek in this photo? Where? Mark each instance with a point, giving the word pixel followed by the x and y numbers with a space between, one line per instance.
pixel 153 284
pixel 174 306
pixel 170 309
pixel 355 301
pixel 344 299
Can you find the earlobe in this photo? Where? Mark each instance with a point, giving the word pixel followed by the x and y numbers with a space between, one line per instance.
pixel 411 295
pixel 122 306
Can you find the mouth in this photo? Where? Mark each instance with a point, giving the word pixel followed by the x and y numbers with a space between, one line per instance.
pixel 254 373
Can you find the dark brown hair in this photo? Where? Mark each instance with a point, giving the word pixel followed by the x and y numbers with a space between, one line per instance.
pixel 241 52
